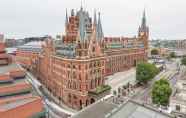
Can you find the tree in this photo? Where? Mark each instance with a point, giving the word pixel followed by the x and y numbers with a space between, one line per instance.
pixel 172 55
pixel 183 61
pixel 114 93
pixel 161 92
pixel 154 52
pixel 145 72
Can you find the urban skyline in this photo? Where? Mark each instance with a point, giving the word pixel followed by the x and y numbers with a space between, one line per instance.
pixel 38 18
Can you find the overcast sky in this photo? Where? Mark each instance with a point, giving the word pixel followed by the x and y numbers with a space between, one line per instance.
pixel 22 18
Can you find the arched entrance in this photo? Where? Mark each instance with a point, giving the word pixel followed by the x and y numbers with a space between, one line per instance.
pixel 92 100
pixel 87 102
pixel 135 62
pixel 80 103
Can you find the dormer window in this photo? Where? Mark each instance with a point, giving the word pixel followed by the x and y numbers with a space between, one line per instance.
pixel 93 49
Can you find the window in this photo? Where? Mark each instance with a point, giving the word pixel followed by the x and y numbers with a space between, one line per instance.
pixel 69 98
pixel 80 53
pixel 94 64
pixel 177 107
pixel 79 76
pixel 90 65
pixel 74 75
pixel 74 96
pixel 93 49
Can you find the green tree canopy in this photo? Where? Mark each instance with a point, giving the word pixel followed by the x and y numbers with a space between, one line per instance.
pixel 172 55
pixel 145 72
pixel 183 61
pixel 161 92
pixel 154 51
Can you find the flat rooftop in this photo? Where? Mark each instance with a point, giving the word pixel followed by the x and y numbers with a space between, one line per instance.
pixel 14 88
pixel 130 109
pixel 96 110
pixel 5 78
pixel 20 102
pixel 133 109
pixel 7 68
pixel 14 98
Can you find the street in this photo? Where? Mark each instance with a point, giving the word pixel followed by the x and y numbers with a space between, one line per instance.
pixel 169 73
pixel 122 78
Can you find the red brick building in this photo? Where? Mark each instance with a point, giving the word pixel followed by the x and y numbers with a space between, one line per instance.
pixel 74 69
pixel 27 55
pixel 4 57
pixel 17 99
pixel 26 107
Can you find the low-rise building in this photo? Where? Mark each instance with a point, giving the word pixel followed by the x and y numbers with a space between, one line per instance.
pixel 4 57
pixel 27 55
pixel 178 100
pixel 10 42
pixel 28 107
pixel 17 98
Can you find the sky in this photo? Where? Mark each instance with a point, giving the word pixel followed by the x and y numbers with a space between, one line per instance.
pixel 24 18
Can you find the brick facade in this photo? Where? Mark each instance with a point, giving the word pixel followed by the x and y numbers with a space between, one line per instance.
pixel 27 55
pixel 4 58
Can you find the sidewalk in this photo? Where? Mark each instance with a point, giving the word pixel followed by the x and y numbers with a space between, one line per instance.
pixel 121 78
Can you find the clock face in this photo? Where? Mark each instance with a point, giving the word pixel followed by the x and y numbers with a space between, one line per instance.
pixel 142 33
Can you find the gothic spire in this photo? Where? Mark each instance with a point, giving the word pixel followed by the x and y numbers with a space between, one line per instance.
pixel 143 24
pixel 66 20
pixel 95 18
pixel 81 26
pixel 81 5
pixel 99 28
